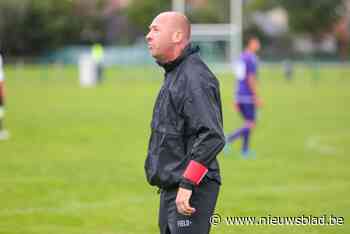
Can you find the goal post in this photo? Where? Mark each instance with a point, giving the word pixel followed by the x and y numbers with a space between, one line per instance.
pixel 230 32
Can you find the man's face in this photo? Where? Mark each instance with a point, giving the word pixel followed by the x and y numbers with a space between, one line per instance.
pixel 255 44
pixel 159 38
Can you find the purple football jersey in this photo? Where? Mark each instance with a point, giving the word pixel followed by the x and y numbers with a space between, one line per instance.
pixel 244 67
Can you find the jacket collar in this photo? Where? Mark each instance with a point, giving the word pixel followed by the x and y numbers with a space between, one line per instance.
pixel 189 49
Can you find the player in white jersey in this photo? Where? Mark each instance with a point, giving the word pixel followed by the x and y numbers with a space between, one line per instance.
pixel 3 132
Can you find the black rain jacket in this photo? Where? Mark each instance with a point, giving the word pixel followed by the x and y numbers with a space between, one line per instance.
pixel 187 123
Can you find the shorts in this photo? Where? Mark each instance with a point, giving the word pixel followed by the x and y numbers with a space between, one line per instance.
pixel 247 110
pixel 203 199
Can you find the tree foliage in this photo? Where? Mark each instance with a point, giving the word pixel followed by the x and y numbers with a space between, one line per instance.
pixel 311 16
pixel 29 27
pixel 141 13
pixel 314 16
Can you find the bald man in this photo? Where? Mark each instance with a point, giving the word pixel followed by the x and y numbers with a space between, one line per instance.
pixel 186 130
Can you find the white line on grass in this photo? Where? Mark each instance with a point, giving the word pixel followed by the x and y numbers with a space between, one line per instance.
pixel 72 207
pixel 31 180
pixel 321 144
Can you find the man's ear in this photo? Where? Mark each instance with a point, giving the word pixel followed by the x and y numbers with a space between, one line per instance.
pixel 177 36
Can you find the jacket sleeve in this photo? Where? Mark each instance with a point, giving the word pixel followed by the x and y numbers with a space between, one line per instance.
pixel 203 118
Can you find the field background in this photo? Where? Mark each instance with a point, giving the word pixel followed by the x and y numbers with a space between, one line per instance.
pixel 74 163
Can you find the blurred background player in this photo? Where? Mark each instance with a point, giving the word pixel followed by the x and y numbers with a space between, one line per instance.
pixel 3 132
pixel 247 99
pixel 97 52
pixel 288 70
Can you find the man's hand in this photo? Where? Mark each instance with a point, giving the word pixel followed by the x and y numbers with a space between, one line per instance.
pixel 258 102
pixel 183 202
pixel 2 90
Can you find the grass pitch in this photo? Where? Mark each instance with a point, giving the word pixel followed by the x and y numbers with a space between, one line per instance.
pixel 74 162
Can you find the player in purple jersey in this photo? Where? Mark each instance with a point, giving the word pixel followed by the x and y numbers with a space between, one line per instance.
pixel 246 96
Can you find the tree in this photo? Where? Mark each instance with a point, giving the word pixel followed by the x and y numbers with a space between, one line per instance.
pixel 312 16
pixel 31 27
pixel 141 12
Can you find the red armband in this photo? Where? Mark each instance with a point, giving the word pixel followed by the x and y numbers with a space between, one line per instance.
pixel 195 172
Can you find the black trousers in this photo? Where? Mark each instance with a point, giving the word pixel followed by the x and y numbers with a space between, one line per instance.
pixel 203 199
